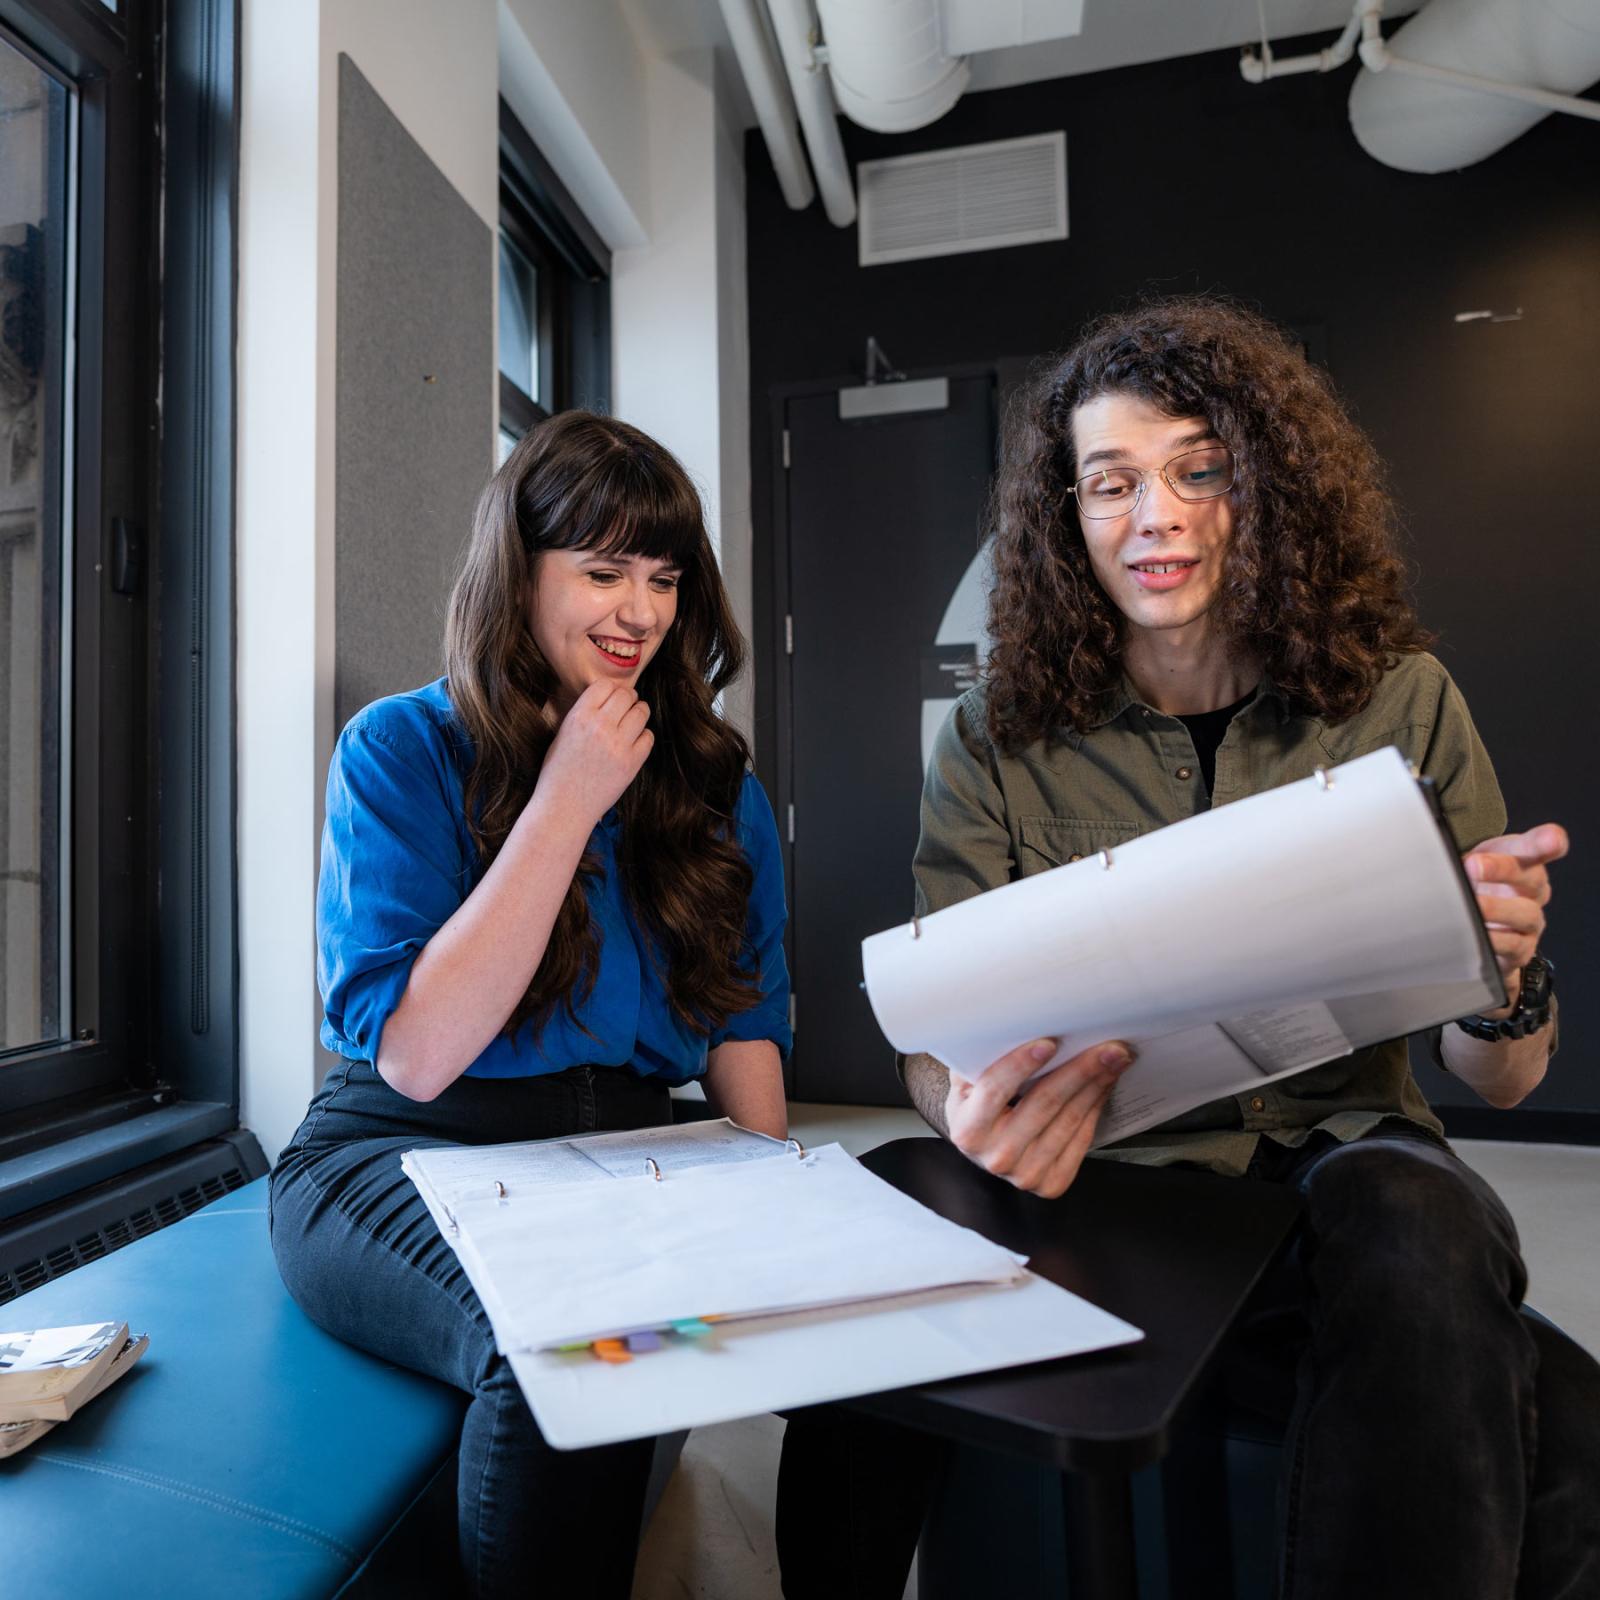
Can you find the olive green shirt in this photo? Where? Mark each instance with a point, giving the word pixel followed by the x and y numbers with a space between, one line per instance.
pixel 988 818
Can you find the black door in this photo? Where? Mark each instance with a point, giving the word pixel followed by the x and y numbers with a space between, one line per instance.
pixel 884 520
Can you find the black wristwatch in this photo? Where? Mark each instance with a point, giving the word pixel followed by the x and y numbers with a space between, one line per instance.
pixel 1530 1013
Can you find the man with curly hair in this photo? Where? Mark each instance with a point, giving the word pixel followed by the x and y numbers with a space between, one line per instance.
pixel 1198 597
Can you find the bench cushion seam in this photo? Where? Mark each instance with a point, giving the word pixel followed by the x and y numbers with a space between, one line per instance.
pixel 210 1499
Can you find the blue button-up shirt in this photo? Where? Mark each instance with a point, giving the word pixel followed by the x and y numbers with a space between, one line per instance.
pixel 397 860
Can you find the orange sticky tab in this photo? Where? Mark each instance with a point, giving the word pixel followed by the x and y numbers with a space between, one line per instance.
pixel 612 1350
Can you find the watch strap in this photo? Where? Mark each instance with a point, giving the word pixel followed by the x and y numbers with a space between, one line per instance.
pixel 1529 1015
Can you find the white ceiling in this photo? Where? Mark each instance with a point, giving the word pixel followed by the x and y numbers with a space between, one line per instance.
pixel 1116 33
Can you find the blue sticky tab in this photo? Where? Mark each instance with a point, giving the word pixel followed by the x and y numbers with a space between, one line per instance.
pixel 644 1340
pixel 692 1328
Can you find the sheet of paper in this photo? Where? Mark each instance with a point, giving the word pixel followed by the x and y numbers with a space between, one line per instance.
pixel 806 1358
pixel 1285 902
pixel 570 1262
pixel 455 1172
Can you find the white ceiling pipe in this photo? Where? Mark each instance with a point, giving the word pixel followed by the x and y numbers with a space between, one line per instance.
pixel 1258 68
pixel 795 26
pixel 1463 78
pixel 769 94
pixel 888 64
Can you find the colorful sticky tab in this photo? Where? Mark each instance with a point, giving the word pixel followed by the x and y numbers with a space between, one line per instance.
pixel 644 1339
pixel 692 1327
pixel 611 1350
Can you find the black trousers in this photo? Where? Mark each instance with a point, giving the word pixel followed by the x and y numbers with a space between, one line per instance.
pixel 1436 1440
pixel 361 1255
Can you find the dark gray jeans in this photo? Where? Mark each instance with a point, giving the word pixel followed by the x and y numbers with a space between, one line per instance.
pixel 362 1257
pixel 1438 1441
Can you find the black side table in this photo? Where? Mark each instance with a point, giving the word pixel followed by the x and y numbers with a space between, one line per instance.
pixel 1176 1253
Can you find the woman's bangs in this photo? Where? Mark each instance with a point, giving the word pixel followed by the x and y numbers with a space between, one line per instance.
pixel 634 511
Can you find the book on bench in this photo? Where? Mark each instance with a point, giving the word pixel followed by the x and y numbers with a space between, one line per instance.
pixel 47 1374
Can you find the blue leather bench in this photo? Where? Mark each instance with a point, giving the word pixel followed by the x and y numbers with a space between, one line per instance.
pixel 249 1454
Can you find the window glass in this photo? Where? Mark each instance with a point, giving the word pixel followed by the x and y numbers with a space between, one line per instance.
pixel 519 319
pixel 34 111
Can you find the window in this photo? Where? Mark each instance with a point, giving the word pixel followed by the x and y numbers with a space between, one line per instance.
pixel 116 988
pixel 555 303
pixel 37 110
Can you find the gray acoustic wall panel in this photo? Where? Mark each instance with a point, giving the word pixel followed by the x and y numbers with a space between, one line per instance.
pixel 415 411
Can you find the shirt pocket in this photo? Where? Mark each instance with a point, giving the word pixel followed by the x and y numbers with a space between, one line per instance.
pixel 1055 841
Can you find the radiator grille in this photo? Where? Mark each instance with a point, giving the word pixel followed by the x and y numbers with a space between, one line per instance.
pixel 974 197
pixel 119 1213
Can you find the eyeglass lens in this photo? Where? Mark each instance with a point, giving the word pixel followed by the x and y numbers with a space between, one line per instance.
pixel 1195 475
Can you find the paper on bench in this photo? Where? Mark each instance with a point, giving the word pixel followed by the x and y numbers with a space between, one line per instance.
pixel 1293 923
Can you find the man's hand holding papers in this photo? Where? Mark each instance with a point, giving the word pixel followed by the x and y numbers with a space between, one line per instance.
pixel 1034 1134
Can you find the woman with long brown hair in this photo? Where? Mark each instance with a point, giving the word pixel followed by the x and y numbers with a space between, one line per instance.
pixel 550 891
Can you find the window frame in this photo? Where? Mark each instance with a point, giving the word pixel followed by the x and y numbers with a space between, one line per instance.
pixel 139 1072
pixel 544 222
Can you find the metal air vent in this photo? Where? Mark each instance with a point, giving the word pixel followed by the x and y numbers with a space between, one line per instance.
pixel 47 1244
pixel 974 197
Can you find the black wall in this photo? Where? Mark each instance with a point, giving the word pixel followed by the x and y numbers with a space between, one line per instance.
pixel 1182 176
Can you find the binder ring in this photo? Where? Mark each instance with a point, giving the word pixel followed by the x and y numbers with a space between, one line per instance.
pixel 499 1189
pixel 916 928
pixel 653 1167
pixel 798 1148
pixel 1324 778
pixel 1105 860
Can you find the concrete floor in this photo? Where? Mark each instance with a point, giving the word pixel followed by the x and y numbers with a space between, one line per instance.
pixel 711 1538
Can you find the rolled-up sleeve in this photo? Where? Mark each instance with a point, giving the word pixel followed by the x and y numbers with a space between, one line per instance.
pixel 393 871
pixel 765 919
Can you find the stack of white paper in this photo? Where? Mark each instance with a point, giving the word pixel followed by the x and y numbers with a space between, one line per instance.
pixel 569 1264
pixel 1239 946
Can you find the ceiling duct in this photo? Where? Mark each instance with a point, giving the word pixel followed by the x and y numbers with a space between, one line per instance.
pixel 1460 80
pixel 1418 123
pixel 889 65
pixel 887 61
pixel 897 65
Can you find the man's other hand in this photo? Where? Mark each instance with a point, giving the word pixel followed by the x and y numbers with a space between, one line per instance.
pixel 1513 887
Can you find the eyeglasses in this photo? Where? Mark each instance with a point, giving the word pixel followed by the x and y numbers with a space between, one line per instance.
pixel 1195 475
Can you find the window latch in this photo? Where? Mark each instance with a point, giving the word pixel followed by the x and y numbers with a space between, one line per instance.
pixel 127 556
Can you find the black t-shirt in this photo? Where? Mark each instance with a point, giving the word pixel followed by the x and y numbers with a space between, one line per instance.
pixel 1207 728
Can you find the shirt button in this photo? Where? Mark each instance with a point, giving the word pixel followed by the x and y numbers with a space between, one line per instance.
pixel 1257 1103
pixel 1144 711
pixel 1184 772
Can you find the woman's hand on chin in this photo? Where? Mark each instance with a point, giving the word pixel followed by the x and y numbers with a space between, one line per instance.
pixel 599 749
